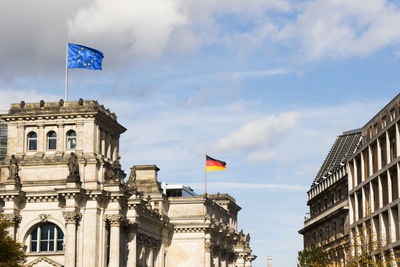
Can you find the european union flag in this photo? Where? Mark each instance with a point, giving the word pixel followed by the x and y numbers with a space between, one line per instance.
pixel 80 56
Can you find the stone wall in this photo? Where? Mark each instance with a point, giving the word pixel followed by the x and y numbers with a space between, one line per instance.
pixel 3 139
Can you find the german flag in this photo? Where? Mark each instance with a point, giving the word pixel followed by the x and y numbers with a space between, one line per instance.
pixel 214 164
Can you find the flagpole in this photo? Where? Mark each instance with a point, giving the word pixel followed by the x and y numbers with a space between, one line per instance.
pixel 205 175
pixel 66 72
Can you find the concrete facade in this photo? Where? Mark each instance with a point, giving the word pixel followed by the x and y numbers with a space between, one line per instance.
pixel 327 224
pixel 374 180
pixel 62 186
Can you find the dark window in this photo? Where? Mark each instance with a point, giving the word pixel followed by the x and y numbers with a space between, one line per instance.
pixel 71 139
pixel 32 141
pixel 47 237
pixel 51 140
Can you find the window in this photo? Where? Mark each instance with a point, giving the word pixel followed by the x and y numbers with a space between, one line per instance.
pixel 383 121
pixel 392 114
pixel 52 140
pixel 71 139
pixel 32 141
pixel 47 237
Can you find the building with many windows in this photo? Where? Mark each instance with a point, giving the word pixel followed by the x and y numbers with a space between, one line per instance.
pixel 368 178
pixel 374 181
pixel 327 223
pixel 62 186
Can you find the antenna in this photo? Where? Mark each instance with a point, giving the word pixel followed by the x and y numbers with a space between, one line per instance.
pixel 269 261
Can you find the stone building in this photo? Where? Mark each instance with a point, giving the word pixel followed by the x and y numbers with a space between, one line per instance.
pixel 374 180
pixel 62 186
pixel 328 220
pixel 3 139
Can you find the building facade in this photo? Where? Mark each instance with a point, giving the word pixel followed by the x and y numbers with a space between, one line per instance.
pixel 327 225
pixel 374 181
pixel 62 186
pixel 3 139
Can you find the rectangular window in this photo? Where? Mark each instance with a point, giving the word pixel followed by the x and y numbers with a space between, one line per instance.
pixel 52 144
pixel 33 144
pixel 34 240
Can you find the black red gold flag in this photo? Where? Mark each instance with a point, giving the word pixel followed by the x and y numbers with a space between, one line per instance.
pixel 214 164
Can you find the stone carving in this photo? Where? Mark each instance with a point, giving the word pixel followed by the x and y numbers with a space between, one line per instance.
pixel 44 217
pixel 61 102
pixel 22 104
pixel 14 218
pixel 73 167
pixel 247 239
pixel 115 220
pixel 13 169
pixel 71 216
pixel 208 246
pixel 130 185
pixel 113 171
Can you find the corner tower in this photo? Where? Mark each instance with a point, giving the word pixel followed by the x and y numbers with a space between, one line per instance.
pixel 44 136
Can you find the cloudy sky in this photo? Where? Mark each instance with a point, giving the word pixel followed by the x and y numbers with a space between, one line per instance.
pixel 265 85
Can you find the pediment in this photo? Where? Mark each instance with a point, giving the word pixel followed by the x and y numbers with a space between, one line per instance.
pixel 43 262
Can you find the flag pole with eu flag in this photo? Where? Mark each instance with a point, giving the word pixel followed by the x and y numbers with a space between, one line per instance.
pixel 82 57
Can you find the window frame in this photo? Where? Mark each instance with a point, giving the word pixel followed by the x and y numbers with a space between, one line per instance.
pixel 51 239
pixel 51 138
pixel 31 139
pixel 70 137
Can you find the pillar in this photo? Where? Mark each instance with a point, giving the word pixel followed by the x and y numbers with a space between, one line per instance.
pixel 71 218
pixel 115 222
pixel 60 138
pixel 207 254
pixel 132 246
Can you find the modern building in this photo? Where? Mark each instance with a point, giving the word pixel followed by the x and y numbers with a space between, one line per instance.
pixel 63 188
pixel 327 223
pixel 374 181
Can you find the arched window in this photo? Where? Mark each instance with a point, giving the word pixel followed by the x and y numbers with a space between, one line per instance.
pixel 32 141
pixel 51 140
pixel 46 237
pixel 71 139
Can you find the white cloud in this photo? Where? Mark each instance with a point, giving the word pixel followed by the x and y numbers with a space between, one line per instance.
pixel 9 96
pixel 143 27
pixel 260 136
pixel 340 28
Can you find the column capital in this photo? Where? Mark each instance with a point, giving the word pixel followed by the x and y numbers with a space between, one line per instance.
pixel 71 217
pixel 14 218
pixel 114 219
pixel 208 246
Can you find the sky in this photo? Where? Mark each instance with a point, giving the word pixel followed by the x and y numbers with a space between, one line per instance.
pixel 265 85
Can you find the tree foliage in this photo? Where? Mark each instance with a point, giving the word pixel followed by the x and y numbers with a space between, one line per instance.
pixel 11 253
pixel 366 249
pixel 313 257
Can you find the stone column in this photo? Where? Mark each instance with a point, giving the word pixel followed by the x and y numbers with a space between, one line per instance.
pixel 151 257
pixel 115 222
pixel 71 218
pixel 102 142
pixel 132 246
pixel 15 219
pixel 207 254
pixel 224 258
pixel 60 138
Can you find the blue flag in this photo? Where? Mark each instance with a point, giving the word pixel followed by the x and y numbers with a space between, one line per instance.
pixel 83 57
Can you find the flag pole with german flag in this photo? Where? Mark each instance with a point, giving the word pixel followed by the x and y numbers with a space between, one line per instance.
pixel 212 165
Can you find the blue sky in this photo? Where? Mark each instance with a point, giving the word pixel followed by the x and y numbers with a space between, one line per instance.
pixel 265 85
